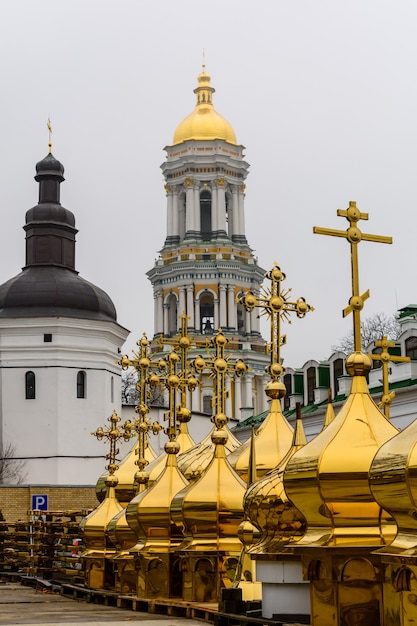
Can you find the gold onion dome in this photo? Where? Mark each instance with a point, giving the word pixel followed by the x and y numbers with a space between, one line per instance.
pixel 272 441
pixel 267 506
pixel 393 479
pixel 148 514
pixel 327 479
pixel 125 489
pixel 94 526
pixel 204 123
pixel 210 509
pixel 194 461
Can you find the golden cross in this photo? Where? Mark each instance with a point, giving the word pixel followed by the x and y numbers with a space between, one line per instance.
pixel 49 136
pixel 182 344
pixel 112 434
pixel 219 367
pixel 385 357
pixel 143 364
pixel 354 236
pixel 276 305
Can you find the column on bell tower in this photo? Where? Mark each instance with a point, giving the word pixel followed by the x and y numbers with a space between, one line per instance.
pixel 189 209
pixel 223 306
pixel 190 306
pixel 231 308
pixel 172 215
pixel 220 212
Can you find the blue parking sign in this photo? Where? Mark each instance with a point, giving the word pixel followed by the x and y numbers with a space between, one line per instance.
pixel 39 502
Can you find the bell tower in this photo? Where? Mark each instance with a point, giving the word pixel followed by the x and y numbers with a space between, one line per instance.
pixel 206 262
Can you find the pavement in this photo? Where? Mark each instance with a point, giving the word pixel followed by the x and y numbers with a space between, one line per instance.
pixel 23 605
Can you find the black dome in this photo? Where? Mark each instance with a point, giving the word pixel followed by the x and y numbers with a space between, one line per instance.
pixel 49 166
pixel 54 292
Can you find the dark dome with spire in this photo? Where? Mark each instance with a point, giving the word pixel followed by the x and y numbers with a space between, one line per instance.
pixel 49 285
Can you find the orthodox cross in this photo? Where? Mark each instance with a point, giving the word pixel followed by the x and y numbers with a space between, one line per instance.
pixel 142 425
pixel 173 381
pixel 49 135
pixel 276 305
pixel 385 357
pixel 112 434
pixel 219 367
pixel 354 237
pixel 182 345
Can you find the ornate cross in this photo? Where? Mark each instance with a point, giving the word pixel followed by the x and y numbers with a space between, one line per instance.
pixel 142 425
pixel 354 237
pixel 219 367
pixel 112 434
pixel 182 344
pixel 276 305
pixel 385 357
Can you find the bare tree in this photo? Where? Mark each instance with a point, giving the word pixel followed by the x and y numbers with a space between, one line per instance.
pixel 130 394
pixel 12 469
pixel 373 328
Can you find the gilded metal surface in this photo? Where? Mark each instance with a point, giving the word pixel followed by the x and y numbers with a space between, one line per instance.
pixel 211 508
pixel 193 462
pixel 274 437
pixel 267 506
pixel 125 489
pixel 204 123
pixel 329 417
pixel 393 480
pixel 385 357
pixel 354 236
pixel 99 545
pixel 148 514
pixel 328 478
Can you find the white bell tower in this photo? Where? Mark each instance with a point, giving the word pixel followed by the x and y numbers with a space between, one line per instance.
pixel 206 261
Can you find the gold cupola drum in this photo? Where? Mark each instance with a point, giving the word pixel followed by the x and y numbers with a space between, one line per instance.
pixel 210 509
pixel 327 480
pixel 100 549
pixel 273 438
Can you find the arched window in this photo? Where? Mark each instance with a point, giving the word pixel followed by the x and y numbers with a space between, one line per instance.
pixel 205 215
pixel 172 315
pixel 30 386
pixel 207 406
pixel 81 384
pixel 207 314
pixel 112 389
pixel 411 348
pixel 337 373
pixel 288 390
pixel 311 384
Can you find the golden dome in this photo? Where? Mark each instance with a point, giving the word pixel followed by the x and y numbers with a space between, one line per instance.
pixel 327 479
pixel 272 442
pixel 267 506
pixel 204 123
pixel 393 480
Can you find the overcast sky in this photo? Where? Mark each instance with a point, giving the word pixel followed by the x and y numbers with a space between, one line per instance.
pixel 323 95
